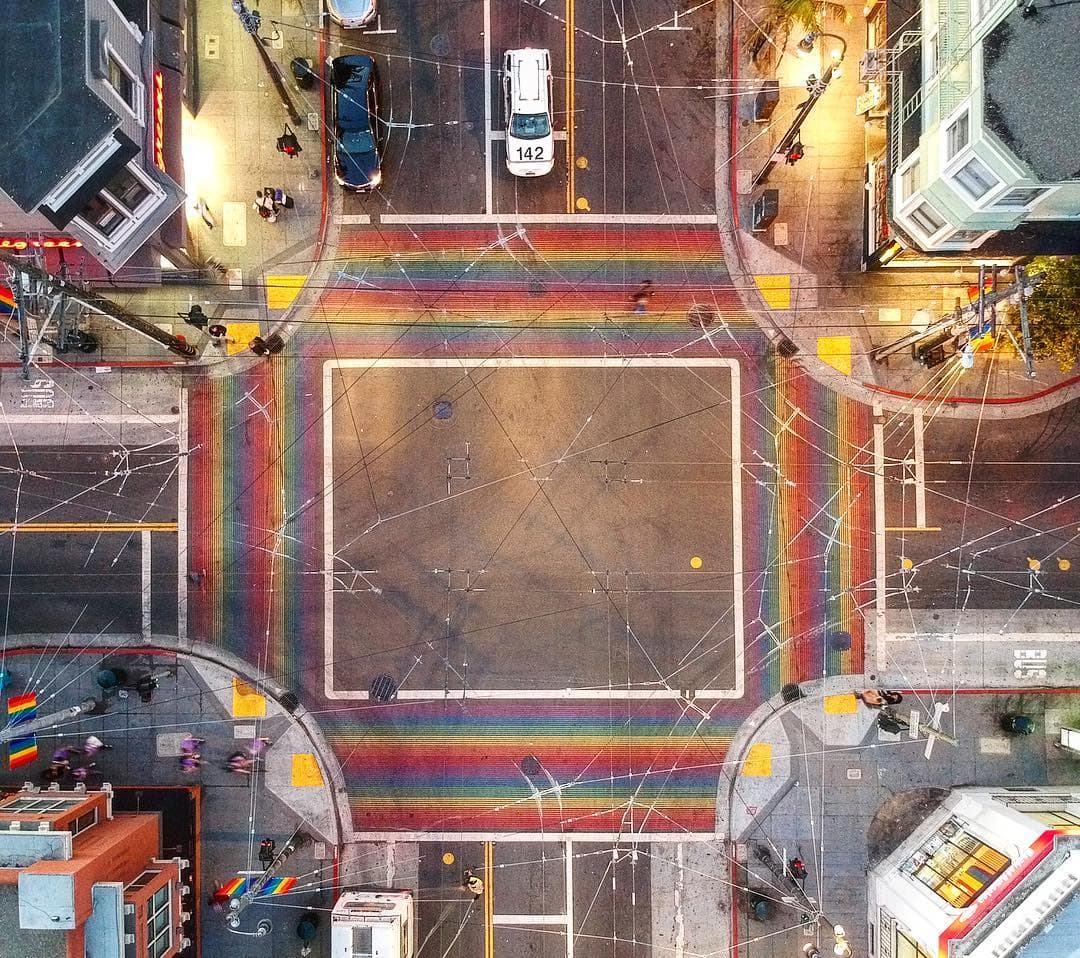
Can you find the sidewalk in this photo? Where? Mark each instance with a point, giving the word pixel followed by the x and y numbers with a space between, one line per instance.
pixel 215 697
pixel 802 277
pixel 816 778
pixel 251 269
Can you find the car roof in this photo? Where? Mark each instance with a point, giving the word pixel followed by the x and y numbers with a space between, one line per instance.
pixel 352 76
pixel 530 67
pixel 350 9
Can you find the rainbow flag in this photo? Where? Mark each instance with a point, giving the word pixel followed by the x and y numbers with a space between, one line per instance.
pixel 7 300
pixel 22 751
pixel 241 883
pixel 22 708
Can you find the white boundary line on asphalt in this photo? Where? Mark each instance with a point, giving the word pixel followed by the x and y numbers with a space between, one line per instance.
pixel 352 219
pixel 147 584
pixel 553 219
pixel 182 520
pixel 606 838
pixel 528 919
pixel 879 536
pixel 74 419
pixel 568 859
pixel 593 362
pixel 489 186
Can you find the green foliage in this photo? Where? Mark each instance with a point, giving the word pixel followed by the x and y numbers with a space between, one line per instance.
pixel 1054 311
pixel 776 21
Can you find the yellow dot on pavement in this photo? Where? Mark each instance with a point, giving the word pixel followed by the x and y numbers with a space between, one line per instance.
pixel 448 858
pixel 906 564
pixel 695 562
pixel 582 204
pixel 1064 565
pixel 582 162
pixel 1034 564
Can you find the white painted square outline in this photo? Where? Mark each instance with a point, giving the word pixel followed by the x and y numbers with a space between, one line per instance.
pixel 594 362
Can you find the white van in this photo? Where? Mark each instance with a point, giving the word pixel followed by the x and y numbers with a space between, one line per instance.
pixel 373 924
pixel 530 142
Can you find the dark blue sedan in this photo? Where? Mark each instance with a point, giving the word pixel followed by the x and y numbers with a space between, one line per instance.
pixel 356 122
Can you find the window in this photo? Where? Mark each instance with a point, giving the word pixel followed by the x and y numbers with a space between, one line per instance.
pixel 1058 819
pixel 144 879
pixel 909 181
pixel 159 922
pixel 123 83
pixel 964 236
pixel 908 947
pixel 118 203
pixel 956 136
pixel 924 217
pixel 955 865
pixel 975 179
pixel 41 806
pixel 83 822
pixel 1020 197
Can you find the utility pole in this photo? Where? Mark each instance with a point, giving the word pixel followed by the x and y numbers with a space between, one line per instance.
pixel 42 299
pixel 1025 327
pixel 816 88
pixel 51 720
pixel 251 20
pixel 238 904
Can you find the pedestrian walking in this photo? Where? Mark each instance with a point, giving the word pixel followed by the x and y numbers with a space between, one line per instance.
pixel 641 297
pixel 93 745
pixel 190 762
pixel 258 746
pixel 264 206
pixel 889 721
pixel 62 756
pixel 267 850
pixel 240 763
pixel 196 317
pixel 189 744
pixel 473 883
pixel 797 869
pixel 83 772
pixel 879 698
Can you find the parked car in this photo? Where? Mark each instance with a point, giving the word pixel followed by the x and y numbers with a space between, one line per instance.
pixel 356 122
pixel 530 140
pixel 351 13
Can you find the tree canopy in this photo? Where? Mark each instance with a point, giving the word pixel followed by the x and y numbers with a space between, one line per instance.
pixel 1054 310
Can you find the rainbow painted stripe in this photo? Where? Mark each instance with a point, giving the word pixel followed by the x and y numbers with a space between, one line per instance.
pixel 22 751
pixel 22 708
pixel 241 883
pixel 7 300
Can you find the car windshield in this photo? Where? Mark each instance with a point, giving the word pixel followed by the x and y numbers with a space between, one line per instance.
pixel 357 142
pixel 529 126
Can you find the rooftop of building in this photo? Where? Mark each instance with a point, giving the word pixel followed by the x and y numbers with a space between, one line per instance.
pixel 1030 102
pixel 53 117
pixel 47 943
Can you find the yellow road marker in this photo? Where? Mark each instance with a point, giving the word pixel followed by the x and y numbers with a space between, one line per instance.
pixel 775 290
pixel 1064 565
pixel 246 701
pixel 570 114
pixel 305 771
pixel 1034 564
pixel 695 562
pixel 448 858
pixel 239 335
pixel 906 564
pixel 489 900
pixel 758 762
pixel 88 527
pixel 835 351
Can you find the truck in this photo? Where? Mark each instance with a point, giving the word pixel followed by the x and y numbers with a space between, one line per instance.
pixel 373 924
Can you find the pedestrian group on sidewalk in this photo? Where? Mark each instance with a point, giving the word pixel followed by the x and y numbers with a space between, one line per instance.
pixel 269 201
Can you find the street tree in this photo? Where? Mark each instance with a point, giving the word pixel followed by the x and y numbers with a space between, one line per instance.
pixel 1054 310
pixel 774 23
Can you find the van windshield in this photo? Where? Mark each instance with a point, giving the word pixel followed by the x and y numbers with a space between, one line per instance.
pixel 529 126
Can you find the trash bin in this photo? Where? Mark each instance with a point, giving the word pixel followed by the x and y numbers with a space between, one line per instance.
pixel 302 73
pixel 1017 723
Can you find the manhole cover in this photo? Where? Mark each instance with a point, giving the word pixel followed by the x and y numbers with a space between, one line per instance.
pixel 440 46
pixel 442 409
pixel 702 317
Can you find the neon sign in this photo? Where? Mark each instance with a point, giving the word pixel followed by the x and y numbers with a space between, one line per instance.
pixel 159 121
pixel 24 242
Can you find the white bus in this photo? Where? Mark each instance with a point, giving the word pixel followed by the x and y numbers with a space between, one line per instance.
pixel 373 924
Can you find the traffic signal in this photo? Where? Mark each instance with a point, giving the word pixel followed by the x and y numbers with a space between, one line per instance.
pixel 794 153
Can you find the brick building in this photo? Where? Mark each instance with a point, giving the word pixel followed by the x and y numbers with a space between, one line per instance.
pixel 78 880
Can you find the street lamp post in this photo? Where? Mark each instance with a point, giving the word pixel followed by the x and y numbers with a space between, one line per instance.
pixel 816 88
pixel 251 20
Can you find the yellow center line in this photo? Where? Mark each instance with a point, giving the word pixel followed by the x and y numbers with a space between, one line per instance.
pixel 570 156
pixel 88 527
pixel 489 901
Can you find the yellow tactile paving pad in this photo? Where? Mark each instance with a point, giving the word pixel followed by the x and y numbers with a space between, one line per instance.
pixel 758 762
pixel 775 290
pixel 246 701
pixel 282 290
pixel 836 352
pixel 305 771
pixel 845 704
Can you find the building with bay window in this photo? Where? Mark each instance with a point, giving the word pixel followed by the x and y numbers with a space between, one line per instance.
pixel 77 879
pixel 981 152
pixel 92 94
pixel 992 873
